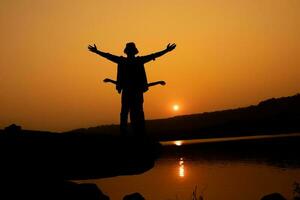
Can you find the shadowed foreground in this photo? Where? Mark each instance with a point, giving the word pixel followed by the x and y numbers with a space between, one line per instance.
pixel 40 164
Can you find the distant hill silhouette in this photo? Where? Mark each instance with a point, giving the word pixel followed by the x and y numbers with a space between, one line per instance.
pixel 272 116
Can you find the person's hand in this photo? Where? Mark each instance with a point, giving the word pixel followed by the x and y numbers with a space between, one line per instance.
pixel 93 48
pixel 170 47
pixel 162 82
pixel 106 80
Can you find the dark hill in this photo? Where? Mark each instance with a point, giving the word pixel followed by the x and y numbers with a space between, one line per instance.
pixel 272 116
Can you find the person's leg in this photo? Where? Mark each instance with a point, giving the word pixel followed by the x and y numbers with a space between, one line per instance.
pixel 137 114
pixel 140 120
pixel 124 114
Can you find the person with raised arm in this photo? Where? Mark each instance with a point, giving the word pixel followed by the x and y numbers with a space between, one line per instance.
pixel 132 82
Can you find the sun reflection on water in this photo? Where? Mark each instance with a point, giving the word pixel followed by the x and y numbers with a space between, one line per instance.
pixel 181 168
pixel 178 143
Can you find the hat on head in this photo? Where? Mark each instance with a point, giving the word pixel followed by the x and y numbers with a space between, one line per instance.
pixel 131 48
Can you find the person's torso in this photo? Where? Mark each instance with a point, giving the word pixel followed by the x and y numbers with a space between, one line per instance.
pixel 133 75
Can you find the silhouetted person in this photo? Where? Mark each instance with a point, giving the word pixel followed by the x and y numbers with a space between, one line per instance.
pixel 132 82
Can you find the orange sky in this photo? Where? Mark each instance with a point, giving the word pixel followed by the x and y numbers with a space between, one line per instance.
pixel 229 54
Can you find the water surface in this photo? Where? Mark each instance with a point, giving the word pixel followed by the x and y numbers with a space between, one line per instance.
pixel 217 172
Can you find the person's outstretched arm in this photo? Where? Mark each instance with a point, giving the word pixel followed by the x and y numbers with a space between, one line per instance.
pixel 108 56
pixel 150 57
pixel 107 80
pixel 156 83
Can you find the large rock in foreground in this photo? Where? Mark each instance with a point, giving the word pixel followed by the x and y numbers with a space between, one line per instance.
pixel 73 156
pixel 40 165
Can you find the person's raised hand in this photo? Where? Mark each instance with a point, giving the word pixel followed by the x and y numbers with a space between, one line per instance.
pixel 93 48
pixel 162 82
pixel 106 80
pixel 170 47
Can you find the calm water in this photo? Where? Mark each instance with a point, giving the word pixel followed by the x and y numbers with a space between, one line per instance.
pixel 178 172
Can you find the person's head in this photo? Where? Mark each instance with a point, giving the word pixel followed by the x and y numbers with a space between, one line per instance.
pixel 130 49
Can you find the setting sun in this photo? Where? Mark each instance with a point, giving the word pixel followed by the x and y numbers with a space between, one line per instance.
pixel 176 107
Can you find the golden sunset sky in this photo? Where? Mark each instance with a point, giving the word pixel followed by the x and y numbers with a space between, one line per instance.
pixel 229 54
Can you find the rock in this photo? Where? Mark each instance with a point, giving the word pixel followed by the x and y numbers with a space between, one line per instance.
pixel 43 164
pixel 133 196
pixel 47 189
pixel 273 196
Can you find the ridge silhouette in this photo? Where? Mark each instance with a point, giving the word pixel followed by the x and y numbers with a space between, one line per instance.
pixel 132 83
pixel 280 115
